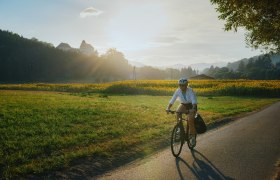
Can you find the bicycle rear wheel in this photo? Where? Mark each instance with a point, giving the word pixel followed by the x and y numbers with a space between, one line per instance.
pixel 177 140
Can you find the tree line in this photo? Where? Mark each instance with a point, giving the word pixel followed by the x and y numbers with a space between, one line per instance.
pixel 260 68
pixel 29 60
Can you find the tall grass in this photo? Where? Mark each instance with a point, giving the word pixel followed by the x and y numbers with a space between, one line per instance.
pixel 265 88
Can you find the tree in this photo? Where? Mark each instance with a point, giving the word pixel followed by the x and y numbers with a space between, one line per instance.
pixel 188 72
pixel 250 64
pixel 278 65
pixel 263 62
pixel 261 18
pixel 115 65
pixel 241 67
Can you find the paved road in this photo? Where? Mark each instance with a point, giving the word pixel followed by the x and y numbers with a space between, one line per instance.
pixel 244 149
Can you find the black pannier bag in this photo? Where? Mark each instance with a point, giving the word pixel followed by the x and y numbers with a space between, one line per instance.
pixel 199 124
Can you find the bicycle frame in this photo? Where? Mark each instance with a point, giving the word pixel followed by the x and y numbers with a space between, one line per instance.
pixel 181 119
pixel 184 134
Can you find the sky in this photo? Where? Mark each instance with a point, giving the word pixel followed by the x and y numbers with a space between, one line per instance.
pixel 153 32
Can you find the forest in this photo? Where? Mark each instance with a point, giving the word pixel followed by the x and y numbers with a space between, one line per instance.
pixel 29 60
pixel 25 60
pixel 260 68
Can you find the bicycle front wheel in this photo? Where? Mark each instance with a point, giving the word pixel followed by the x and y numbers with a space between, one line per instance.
pixel 191 146
pixel 177 140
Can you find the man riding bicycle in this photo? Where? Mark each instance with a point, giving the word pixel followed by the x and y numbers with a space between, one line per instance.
pixel 188 105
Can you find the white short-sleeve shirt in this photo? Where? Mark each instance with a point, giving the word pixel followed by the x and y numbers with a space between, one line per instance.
pixel 190 96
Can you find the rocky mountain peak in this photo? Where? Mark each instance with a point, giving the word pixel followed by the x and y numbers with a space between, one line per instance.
pixel 85 45
pixel 85 48
pixel 64 46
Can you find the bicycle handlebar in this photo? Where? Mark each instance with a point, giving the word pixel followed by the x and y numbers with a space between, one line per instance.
pixel 170 111
pixel 173 112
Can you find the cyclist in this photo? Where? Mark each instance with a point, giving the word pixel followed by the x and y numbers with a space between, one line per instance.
pixel 188 105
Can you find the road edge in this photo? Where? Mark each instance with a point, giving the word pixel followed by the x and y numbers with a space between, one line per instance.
pixel 219 123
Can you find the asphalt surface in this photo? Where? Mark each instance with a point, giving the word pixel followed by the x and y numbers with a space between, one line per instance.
pixel 247 148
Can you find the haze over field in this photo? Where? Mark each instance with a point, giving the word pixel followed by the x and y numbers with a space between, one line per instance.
pixel 157 33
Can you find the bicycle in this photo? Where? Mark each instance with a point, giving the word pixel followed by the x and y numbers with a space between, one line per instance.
pixel 179 136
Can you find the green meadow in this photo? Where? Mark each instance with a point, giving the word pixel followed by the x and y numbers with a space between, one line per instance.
pixel 46 131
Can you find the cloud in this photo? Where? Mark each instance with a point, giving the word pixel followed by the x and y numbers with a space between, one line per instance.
pixel 90 11
pixel 167 39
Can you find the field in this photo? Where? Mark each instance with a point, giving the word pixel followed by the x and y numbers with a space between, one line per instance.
pixel 43 131
pixel 267 88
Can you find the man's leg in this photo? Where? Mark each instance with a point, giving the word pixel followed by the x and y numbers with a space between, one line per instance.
pixel 180 110
pixel 191 122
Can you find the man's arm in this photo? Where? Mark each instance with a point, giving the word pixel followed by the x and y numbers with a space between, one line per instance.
pixel 169 106
pixel 171 102
pixel 194 101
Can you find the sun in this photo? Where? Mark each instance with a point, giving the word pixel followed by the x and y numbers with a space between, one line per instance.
pixel 135 27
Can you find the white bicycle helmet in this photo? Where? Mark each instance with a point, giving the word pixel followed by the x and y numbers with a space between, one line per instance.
pixel 183 81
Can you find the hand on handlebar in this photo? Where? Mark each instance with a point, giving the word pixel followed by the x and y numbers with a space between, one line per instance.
pixel 169 111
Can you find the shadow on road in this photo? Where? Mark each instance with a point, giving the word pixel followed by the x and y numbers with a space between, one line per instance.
pixel 201 167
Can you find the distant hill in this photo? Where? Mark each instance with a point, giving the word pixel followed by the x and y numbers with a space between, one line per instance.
pixel 259 67
pixel 275 58
pixel 202 66
pixel 30 60
pixel 201 77
pixel 198 66
pixel 25 60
